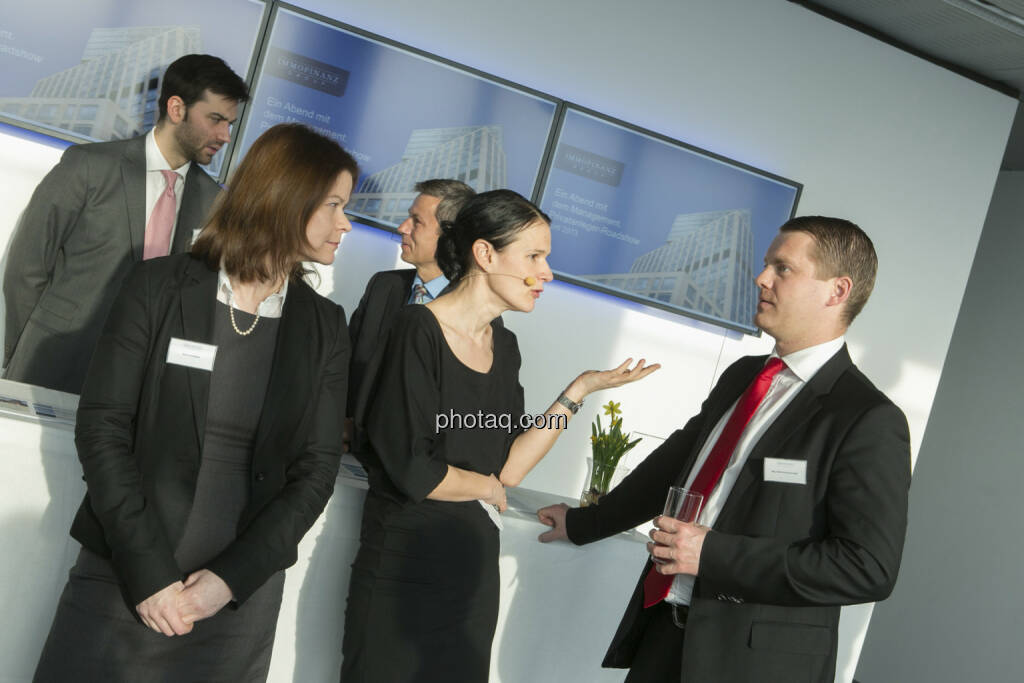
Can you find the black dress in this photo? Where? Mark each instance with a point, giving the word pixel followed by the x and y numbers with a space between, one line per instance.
pixel 97 637
pixel 423 598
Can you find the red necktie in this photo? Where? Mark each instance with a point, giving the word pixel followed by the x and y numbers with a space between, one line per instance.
pixel 158 230
pixel 657 586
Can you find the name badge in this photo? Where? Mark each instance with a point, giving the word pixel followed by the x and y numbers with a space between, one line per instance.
pixel 785 471
pixel 191 354
pixel 493 514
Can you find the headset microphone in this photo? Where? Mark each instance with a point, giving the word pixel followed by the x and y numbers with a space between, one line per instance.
pixel 529 280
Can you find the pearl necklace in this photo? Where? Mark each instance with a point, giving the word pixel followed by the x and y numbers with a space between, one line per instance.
pixel 231 314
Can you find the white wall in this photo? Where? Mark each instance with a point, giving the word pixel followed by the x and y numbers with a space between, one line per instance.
pixel 904 148
pixel 957 616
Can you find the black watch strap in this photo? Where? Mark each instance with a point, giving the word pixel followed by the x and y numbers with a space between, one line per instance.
pixel 572 405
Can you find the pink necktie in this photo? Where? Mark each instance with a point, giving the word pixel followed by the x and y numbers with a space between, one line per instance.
pixel 657 586
pixel 161 221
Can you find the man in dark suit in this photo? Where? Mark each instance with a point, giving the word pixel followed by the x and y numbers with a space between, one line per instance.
pixel 805 468
pixel 104 207
pixel 439 201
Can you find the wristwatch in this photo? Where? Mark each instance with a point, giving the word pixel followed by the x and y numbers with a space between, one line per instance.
pixel 572 405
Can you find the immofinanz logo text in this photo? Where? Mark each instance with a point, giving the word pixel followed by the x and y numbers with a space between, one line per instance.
pixel 308 72
pixel 589 165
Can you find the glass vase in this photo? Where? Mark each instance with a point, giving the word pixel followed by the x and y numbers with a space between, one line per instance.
pixel 601 479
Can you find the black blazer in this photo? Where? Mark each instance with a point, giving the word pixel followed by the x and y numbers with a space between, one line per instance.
pixel 781 558
pixel 80 234
pixel 386 293
pixel 141 423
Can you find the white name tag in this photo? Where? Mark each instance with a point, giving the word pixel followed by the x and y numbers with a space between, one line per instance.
pixel 493 514
pixel 191 354
pixel 785 471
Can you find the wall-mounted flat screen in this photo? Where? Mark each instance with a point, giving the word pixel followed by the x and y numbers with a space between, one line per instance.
pixel 405 115
pixel 89 70
pixel 653 220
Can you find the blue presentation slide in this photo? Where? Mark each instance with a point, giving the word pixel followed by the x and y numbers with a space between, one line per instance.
pixel 405 117
pixel 90 69
pixel 634 214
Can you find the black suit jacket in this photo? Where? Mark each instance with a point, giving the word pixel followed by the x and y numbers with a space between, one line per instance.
pixel 78 237
pixel 141 423
pixel 781 558
pixel 386 293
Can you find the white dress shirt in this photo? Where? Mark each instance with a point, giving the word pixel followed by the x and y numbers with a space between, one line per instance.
pixel 155 183
pixel 271 307
pixel 801 366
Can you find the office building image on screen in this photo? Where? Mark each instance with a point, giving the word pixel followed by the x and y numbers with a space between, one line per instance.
pixel 112 93
pixel 651 219
pixel 705 265
pixel 473 154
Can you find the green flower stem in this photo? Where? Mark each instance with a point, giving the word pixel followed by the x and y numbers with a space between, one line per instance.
pixel 607 448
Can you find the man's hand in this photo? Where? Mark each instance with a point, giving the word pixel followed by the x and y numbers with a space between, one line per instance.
pixel 204 595
pixel 678 544
pixel 554 517
pixel 160 611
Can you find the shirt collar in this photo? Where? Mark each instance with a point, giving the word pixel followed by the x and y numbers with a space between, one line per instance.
pixel 434 287
pixel 805 363
pixel 155 160
pixel 271 307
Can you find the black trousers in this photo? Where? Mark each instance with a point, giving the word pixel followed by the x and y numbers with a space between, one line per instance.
pixel 659 659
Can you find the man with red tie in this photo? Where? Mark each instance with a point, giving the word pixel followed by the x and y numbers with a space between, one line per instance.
pixel 102 208
pixel 805 469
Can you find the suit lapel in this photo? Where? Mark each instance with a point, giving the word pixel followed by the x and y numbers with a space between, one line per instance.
pixel 400 294
pixel 786 426
pixel 190 214
pixel 133 177
pixel 396 296
pixel 291 374
pixel 198 305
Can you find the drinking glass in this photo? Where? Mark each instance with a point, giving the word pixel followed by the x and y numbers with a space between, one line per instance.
pixel 684 505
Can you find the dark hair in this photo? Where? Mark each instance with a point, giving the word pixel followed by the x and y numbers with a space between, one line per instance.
pixel 189 77
pixel 841 248
pixel 258 226
pixel 494 216
pixel 453 195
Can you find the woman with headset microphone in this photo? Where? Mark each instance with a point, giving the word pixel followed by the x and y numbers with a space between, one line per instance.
pixel 423 597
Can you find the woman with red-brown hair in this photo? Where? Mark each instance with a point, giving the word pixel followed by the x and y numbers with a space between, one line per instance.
pixel 209 434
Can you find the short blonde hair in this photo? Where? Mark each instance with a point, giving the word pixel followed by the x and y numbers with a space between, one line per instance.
pixel 841 248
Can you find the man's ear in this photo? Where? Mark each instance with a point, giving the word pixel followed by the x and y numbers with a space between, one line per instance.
pixel 176 109
pixel 840 290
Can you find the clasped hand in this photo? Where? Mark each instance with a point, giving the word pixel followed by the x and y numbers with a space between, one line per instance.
pixel 175 608
pixel 554 517
pixel 678 544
